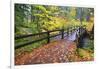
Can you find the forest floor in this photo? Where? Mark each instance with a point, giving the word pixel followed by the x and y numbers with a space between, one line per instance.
pixel 60 51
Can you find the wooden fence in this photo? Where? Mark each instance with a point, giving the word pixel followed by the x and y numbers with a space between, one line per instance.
pixel 62 32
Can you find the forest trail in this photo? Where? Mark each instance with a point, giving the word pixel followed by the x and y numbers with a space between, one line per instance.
pixel 60 51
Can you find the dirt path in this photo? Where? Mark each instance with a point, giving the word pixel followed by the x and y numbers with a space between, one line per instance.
pixel 56 52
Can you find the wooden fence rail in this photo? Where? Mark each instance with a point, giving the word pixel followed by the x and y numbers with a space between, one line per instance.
pixel 62 32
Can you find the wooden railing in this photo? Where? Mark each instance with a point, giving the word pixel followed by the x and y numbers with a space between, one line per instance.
pixel 61 32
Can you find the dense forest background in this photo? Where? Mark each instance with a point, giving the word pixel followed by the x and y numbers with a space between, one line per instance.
pixel 31 19
pixel 40 18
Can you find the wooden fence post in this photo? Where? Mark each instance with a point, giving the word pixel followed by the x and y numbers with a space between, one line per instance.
pixel 62 31
pixel 68 31
pixel 48 37
pixel 71 30
pixel 80 31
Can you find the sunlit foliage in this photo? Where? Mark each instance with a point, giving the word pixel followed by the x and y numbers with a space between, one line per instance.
pixel 31 19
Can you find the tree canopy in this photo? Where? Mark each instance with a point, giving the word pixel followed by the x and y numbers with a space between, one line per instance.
pixel 39 18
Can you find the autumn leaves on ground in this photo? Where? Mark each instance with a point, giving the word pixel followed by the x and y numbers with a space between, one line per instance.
pixel 56 52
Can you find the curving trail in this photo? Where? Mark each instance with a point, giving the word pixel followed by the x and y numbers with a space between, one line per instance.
pixel 60 51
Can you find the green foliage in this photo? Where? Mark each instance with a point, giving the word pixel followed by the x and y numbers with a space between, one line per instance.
pixel 31 19
pixel 90 45
pixel 29 48
pixel 20 15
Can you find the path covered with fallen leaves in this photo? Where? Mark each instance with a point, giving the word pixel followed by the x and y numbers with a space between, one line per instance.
pixel 60 51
